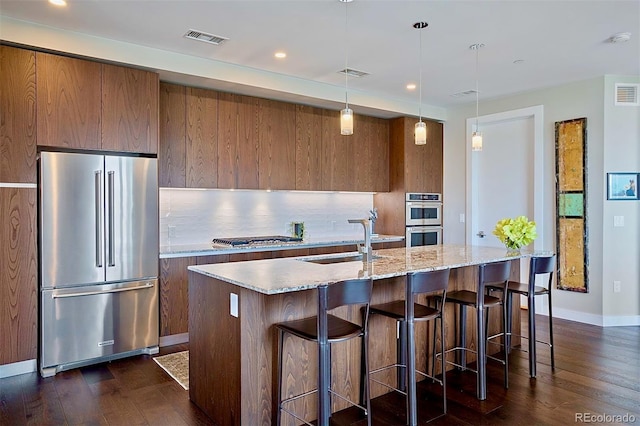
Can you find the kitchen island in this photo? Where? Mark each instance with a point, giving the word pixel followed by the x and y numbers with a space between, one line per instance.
pixel 233 306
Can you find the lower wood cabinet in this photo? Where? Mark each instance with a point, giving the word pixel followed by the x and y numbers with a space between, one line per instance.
pixel 18 275
pixel 174 281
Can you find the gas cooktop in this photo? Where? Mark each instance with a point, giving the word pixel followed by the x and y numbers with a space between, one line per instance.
pixel 269 239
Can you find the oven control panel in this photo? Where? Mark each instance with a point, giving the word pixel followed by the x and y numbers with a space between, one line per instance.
pixel 414 196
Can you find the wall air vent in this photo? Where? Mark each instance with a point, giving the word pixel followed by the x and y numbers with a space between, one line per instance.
pixel 465 93
pixel 353 73
pixel 627 94
pixel 207 38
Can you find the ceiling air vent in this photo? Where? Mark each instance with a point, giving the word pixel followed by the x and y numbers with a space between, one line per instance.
pixel 353 73
pixel 207 38
pixel 465 93
pixel 627 94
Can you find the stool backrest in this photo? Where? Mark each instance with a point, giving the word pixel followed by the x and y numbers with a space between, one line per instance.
pixel 541 265
pixel 496 273
pixel 349 292
pixel 435 282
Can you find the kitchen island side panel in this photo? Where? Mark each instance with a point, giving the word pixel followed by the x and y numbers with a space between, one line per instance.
pixel 214 346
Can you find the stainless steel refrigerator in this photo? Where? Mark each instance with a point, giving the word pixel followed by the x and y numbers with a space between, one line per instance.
pixel 98 217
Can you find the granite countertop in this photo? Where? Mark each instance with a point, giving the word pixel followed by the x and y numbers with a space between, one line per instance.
pixel 274 276
pixel 207 249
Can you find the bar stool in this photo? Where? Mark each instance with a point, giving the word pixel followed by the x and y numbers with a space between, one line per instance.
pixel 496 273
pixel 326 329
pixel 406 312
pixel 538 265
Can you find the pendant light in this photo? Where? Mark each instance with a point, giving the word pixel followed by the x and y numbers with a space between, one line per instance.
pixel 476 137
pixel 346 115
pixel 420 129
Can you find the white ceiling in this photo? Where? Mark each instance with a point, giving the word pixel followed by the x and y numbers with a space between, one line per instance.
pixel 557 41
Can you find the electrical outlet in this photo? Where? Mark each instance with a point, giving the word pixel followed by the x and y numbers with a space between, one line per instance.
pixel 171 230
pixel 618 221
pixel 616 286
pixel 461 217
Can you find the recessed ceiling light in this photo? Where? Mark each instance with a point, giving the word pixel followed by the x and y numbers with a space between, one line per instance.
pixel 58 2
pixel 411 86
pixel 280 55
pixel 620 38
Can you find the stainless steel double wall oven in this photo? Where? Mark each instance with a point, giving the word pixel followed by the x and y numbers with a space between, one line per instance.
pixel 423 219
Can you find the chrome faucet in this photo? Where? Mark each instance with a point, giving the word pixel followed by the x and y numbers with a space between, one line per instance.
pixel 366 248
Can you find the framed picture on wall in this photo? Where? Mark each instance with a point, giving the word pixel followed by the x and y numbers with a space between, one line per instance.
pixel 622 186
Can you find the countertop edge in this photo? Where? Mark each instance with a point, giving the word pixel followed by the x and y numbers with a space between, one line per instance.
pixel 213 251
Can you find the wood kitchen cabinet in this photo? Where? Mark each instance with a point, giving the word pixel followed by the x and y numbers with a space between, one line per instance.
pixel 370 155
pixel 68 101
pixel 238 145
pixel 308 148
pixel 19 276
pixel 277 145
pixel 337 155
pixel 412 168
pixel 202 138
pixel 129 109
pixel 17 115
pixel 172 144
pixel 88 105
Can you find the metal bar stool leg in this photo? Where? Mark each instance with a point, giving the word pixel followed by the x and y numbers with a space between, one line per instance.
pixel 553 362
pixel 531 305
pixel 279 391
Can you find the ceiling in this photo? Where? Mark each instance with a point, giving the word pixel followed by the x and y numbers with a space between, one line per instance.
pixel 528 44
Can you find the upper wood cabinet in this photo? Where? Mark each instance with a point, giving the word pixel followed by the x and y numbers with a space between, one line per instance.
pixel 129 109
pixel 277 155
pixel 202 138
pixel 172 143
pixel 69 102
pixel 308 148
pixel 17 115
pixel 241 142
pixel 237 141
pixel 337 155
pixel 415 168
pixel 87 105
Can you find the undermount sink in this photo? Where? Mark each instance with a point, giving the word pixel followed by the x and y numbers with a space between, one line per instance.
pixel 339 259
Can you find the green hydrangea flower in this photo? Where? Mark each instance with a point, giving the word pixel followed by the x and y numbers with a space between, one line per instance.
pixel 515 233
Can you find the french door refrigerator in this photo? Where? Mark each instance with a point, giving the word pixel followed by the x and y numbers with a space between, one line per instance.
pixel 98 217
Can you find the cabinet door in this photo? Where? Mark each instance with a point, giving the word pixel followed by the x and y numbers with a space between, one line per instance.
pixel 68 101
pixel 129 109
pixel 277 152
pixel 423 163
pixel 237 141
pixel 172 143
pixel 17 115
pixel 371 155
pixel 308 148
pixel 174 296
pixel 202 138
pixel 337 170
pixel 18 279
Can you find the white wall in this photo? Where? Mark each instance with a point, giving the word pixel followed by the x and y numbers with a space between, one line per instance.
pixel 622 244
pixel 201 215
pixel 580 99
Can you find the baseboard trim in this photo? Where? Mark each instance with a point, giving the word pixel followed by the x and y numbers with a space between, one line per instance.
pixel 621 321
pixel 17 368
pixel 174 339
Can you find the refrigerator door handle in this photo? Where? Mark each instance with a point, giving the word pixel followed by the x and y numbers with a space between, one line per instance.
pixel 110 186
pixel 99 219
pixel 93 293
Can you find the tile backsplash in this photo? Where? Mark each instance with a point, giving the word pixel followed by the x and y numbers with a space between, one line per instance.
pixel 193 216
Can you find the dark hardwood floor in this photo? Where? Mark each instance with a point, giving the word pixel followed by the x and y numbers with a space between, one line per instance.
pixel 597 373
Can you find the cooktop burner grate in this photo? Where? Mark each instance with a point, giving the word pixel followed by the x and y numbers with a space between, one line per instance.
pixel 269 239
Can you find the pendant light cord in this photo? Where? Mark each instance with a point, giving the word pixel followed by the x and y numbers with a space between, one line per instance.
pixel 346 54
pixel 420 81
pixel 477 78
